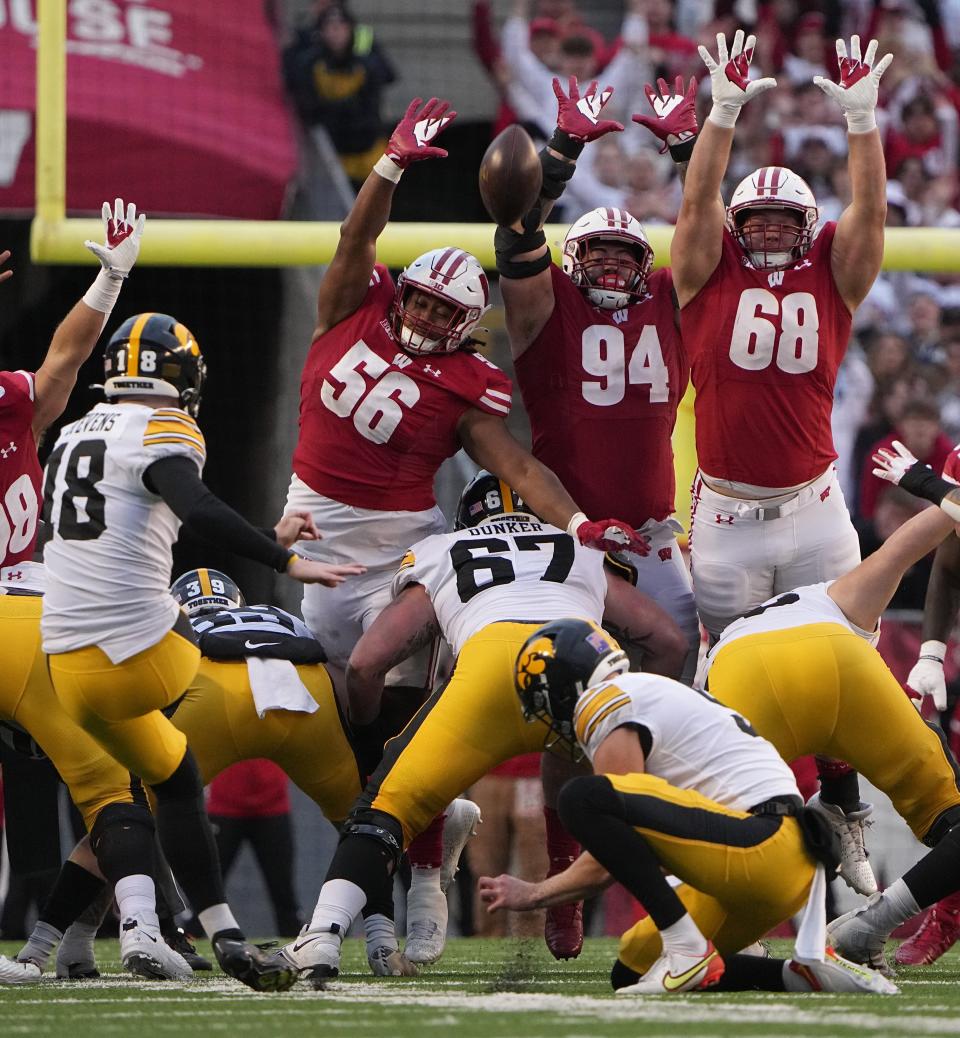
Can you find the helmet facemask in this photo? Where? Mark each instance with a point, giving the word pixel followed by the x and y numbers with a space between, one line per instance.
pixel 420 335
pixel 610 282
pixel 770 244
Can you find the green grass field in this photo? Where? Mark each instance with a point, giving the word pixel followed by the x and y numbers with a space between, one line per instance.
pixel 480 989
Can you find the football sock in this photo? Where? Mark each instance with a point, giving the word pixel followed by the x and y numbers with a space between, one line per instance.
pixel 751 973
pixel 894 906
pixel 216 918
pixel 74 891
pixel 340 902
pixel 40 944
pixel 839 783
pixel 186 837
pixel 426 850
pixel 379 930
pixel 136 896
pixel 562 848
pixel 683 937
pixel 595 813
pixel 936 874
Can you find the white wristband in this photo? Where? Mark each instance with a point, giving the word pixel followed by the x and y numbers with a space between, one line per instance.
pixel 861 122
pixel 724 115
pixel 103 294
pixel 933 650
pixel 388 169
pixel 576 521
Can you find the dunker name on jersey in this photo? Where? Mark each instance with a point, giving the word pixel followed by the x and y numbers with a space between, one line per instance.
pixel 540 572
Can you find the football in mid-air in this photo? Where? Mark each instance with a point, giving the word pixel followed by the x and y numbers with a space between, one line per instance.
pixel 510 175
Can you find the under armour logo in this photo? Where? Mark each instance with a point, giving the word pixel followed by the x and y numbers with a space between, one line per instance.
pixel 775 278
pixel 18 575
pixel 824 494
pixel 666 554
pixel 436 372
pixel 5 451
pixel 724 519
pixel 803 264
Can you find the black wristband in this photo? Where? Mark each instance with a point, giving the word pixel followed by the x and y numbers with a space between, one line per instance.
pixel 569 147
pixel 509 243
pixel 556 173
pixel 921 481
pixel 681 152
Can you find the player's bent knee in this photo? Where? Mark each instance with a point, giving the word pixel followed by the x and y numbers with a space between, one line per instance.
pixel 184 784
pixel 582 799
pixel 122 840
pixel 379 827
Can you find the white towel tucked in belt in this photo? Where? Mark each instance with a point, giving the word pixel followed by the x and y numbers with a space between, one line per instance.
pixel 812 931
pixel 276 685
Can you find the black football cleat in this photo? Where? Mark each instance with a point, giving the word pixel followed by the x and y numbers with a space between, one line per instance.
pixel 248 964
pixel 181 943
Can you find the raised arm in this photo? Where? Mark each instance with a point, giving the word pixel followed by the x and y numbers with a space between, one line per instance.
pixel 523 256
pixel 698 238
pixel 77 333
pixel 857 250
pixel 940 609
pixel 488 441
pixel 345 283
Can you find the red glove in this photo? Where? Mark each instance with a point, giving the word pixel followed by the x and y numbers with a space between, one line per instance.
pixel 611 535
pixel 675 120
pixel 579 117
pixel 410 141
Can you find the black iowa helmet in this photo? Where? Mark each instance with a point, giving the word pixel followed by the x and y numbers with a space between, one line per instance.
pixel 200 591
pixel 484 496
pixel 557 663
pixel 154 355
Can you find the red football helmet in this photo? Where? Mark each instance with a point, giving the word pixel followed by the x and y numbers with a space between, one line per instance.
pixel 610 283
pixel 455 278
pixel 773 244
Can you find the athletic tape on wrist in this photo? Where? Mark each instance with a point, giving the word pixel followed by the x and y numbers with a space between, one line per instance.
pixel 103 294
pixel 569 147
pixel 724 116
pixel 576 521
pixel 388 169
pixel 861 122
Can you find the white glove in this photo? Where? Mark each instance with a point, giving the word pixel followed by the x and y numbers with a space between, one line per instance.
pixel 893 465
pixel 859 85
pixel 123 232
pixel 926 677
pixel 729 78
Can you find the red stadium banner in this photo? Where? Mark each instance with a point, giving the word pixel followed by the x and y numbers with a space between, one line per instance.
pixel 176 104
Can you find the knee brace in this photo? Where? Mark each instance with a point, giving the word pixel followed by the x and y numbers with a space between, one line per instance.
pixel 122 840
pixel 384 829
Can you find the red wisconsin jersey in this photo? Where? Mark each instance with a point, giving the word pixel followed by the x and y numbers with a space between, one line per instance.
pixel 764 349
pixel 20 474
pixel 375 422
pixel 602 389
pixel 951 467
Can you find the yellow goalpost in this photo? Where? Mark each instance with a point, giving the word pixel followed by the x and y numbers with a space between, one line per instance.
pixel 55 238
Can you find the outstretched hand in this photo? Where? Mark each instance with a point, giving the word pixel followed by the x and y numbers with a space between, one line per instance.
pixel 122 229
pixel 730 78
pixel 309 572
pixel 859 86
pixel 675 112
pixel 579 117
pixel 410 141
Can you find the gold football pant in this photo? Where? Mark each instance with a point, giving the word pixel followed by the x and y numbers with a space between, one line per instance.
pixel 27 697
pixel 220 722
pixel 459 734
pixel 822 689
pixel 119 704
pixel 743 874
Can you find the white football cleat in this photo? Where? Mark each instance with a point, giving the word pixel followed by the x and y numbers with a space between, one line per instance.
pixel 672 974
pixel 855 869
pixel 836 974
pixel 145 953
pixel 13 972
pixel 388 961
pixel 855 937
pixel 315 954
pixel 426 917
pixel 459 824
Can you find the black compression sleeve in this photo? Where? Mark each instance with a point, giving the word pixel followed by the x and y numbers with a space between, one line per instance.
pixel 177 481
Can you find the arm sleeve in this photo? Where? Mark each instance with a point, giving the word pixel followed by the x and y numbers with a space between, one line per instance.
pixel 177 481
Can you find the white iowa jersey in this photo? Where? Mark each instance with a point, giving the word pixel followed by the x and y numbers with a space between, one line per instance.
pixel 797 608
pixel 695 742
pixel 108 563
pixel 505 569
